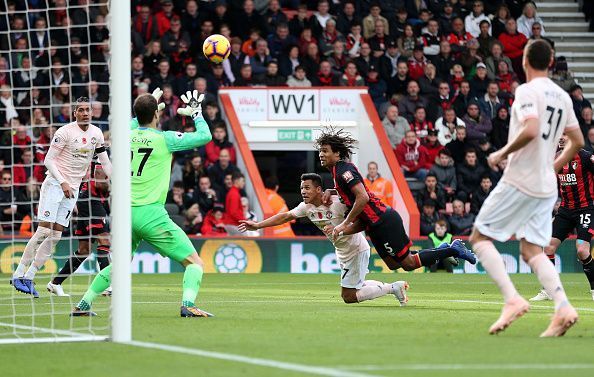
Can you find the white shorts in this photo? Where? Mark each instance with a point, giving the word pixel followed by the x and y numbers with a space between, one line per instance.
pixel 508 211
pixel 54 207
pixel 353 271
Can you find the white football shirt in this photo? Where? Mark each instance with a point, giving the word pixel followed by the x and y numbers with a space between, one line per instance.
pixel 530 169
pixel 346 246
pixel 76 149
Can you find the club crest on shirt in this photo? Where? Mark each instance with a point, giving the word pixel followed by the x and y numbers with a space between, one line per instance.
pixel 179 135
pixel 56 140
pixel 93 140
pixel 574 165
pixel 328 215
pixel 46 213
pixel 347 176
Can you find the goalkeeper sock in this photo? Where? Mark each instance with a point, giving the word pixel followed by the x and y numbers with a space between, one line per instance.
pixel 373 289
pixel 44 252
pixel 99 284
pixel 71 265
pixel 41 234
pixel 191 284
pixel 103 256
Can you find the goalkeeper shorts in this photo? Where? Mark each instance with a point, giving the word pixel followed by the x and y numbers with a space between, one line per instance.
pixel 152 224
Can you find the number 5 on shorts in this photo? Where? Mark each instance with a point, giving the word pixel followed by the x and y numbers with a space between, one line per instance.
pixel 389 248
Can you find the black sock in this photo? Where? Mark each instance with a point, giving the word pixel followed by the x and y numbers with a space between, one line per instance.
pixel 588 265
pixel 71 265
pixel 552 258
pixel 103 256
pixel 429 257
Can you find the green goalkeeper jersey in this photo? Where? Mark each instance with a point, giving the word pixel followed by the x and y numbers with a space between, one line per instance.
pixel 152 152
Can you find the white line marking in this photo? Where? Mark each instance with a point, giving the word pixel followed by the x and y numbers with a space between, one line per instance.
pixel 67 335
pixel 322 371
pixel 466 367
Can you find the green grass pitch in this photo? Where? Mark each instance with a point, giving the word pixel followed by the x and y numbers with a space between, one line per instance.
pixel 301 319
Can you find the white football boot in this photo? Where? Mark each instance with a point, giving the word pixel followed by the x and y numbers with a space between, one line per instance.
pixel 56 289
pixel 399 288
pixel 107 292
pixel 542 296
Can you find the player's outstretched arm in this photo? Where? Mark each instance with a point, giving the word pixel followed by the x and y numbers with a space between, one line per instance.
pixel 278 219
pixel 177 141
pixel 574 143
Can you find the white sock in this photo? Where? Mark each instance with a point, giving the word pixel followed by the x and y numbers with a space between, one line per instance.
pixel 549 278
pixel 495 267
pixel 40 235
pixel 44 252
pixel 373 289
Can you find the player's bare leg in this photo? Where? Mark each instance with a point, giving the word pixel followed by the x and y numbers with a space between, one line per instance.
pixel 373 289
pixel 565 315
pixel 38 250
pixel 515 306
pixel 191 284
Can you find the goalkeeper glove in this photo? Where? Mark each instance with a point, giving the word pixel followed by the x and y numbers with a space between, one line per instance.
pixel 193 103
pixel 157 93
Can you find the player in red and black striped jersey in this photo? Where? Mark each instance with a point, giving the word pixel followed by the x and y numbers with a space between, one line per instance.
pixel 366 212
pixel 93 207
pixel 576 211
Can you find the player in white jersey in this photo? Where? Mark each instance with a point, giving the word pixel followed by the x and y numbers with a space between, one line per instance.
pixel 352 251
pixel 67 161
pixel 523 201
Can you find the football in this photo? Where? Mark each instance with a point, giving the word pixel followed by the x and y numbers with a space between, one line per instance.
pixel 216 48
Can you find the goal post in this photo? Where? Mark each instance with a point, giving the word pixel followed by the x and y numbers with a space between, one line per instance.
pixel 120 84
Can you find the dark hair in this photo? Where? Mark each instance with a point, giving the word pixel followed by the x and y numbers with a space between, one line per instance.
pixel 237 175
pixel 313 177
pixel 442 222
pixel 178 184
pixel 469 150
pixel 338 139
pixel 80 101
pixel 538 54
pixel 485 176
pixel 271 182
pixel 144 108
pixel 431 175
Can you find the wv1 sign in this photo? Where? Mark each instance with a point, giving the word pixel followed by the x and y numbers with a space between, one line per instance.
pixel 302 105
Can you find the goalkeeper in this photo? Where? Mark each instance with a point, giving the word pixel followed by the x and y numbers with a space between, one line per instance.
pixel 151 164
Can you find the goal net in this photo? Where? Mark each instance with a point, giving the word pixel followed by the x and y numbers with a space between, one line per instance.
pixel 51 53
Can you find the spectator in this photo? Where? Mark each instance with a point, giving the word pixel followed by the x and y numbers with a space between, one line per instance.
pixel 278 205
pixel 347 18
pixel 578 99
pixel 319 19
pixel 213 225
pixel 485 148
pixel 274 17
pixel 492 61
pixel 537 33
pixel 245 77
pixel 325 76
pixel 377 87
pixel 395 126
pixel 420 125
pixel 249 46
pixel 561 74
pixel 500 132
pixel 407 42
pixel 329 37
pixel 173 36
pixel 365 59
pixel 446 126
pixel 429 217
pixel 152 58
pixel 23 169
pixel 470 58
pixel 193 170
pixel 472 21
pixel 458 37
pixel 250 216
pixel 412 156
pixel 485 40
pixel 233 207
pixel 354 41
pixel 586 122
pixel 8 198
pixel 205 196
pixel 311 61
pixel 429 83
pixel 261 58
pixel 408 105
pixel 20 140
pixel 298 78
pixel 399 23
pixel 338 59
pixel 480 81
pixel 444 61
pixel 513 45
pixel 417 63
pixel 589 143
pixel 350 77
pixel 171 101
pixel 478 125
pixel 237 58
pixel 490 103
pixel 247 20
pixel 216 79
pixel 146 24
pixel 529 18
pixel 461 223
pixel 446 18
pixel 193 220
pixel 300 21
pixel 178 197
pixel 211 114
pixel 218 170
pixel 306 38
pixel 279 42
pixel 290 61
pixel 219 142
pixel 445 172
pixel 380 186
pixel 432 191
pixel 499 21
pixel 480 195
pixel 371 21
pixel 439 236
pixel 433 146
pixel 463 99
pixel 456 77
pixel 431 38
pixel 398 85
pixel 469 175
pixel 272 77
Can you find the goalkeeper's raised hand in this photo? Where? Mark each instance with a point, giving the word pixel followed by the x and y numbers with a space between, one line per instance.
pixel 157 93
pixel 193 103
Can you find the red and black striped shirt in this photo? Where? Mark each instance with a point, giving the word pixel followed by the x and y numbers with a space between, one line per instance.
pixel 576 182
pixel 346 176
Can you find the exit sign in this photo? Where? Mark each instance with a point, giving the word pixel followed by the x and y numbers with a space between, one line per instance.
pixel 294 135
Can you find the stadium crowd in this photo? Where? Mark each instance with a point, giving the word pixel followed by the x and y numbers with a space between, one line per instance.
pixel 442 75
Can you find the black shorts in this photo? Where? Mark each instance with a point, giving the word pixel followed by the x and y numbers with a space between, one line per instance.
pixel 567 220
pixel 389 238
pixel 92 218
